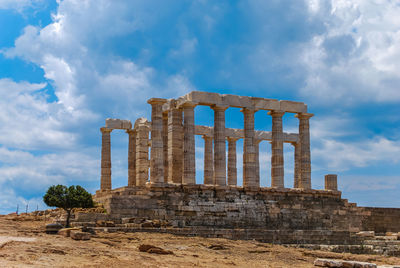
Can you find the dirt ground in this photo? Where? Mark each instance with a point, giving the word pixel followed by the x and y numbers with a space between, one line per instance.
pixel 23 243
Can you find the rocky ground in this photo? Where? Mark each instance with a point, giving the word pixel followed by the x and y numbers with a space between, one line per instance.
pixel 23 243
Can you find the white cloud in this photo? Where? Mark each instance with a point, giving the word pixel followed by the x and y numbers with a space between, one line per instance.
pixel 357 57
pixel 18 5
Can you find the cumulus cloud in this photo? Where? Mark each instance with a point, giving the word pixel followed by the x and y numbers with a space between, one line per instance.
pixel 357 57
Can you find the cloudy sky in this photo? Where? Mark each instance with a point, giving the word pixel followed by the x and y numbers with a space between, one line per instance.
pixel 67 65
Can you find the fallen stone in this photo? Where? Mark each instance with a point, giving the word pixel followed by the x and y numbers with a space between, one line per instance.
pixel 53 228
pixel 66 231
pixel 343 263
pixel 153 249
pixel 217 247
pixel 327 263
pixel 78 235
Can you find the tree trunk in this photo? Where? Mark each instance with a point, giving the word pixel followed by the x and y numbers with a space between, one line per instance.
pixel 68 216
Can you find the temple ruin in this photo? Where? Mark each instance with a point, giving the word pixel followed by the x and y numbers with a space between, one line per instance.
pixel 172 144
pixel 165 148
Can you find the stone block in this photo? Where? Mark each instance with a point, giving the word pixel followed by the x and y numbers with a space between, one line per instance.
pixel 366 234
pixel 292 106
pixel 67 231
pixel 118 124
pixel 78 235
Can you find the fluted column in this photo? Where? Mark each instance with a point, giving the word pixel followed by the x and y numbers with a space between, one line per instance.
pixel 189 156
pixel 232 168
pixel 219 145
pixel 142 151
pixel 175 145
pixel 105 179
pixel 208 160
pixel 157 141
pixel 131 157
pixel 277 164
pixel 165 145
pixel 296 183
pixel 257 154
pixel 249 152
pixel 305 155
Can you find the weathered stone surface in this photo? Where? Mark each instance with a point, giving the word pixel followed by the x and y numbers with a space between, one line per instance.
pixel 343 263
pixel 154 249
pixel 366 233
pixel 79 235
pixel 277 162
pixel 331 182
pixel 67 231
pixel 118 123
pixel 53 228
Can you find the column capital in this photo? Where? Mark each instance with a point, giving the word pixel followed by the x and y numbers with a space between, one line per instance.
pixel 304 115
pixel 219 107
pixel 257 141
pixel 156 101
pixel 206 137
pixel 105 129
pixel 188 104
pixel 131 131
pixel 276 113
pixel 248 110
pixel 294 143
pixel 232 139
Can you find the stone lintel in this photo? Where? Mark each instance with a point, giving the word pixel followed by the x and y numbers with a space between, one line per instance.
pixel 209 99
pixel 239 134
pixel 118 123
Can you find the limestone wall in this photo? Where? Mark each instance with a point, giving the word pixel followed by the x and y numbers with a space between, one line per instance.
pixel 381 220
pixel 235 207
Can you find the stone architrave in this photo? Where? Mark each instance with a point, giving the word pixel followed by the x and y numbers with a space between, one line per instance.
pixel 257 149
pixel 157 141
pixel 131 157
pixel 165 145
pixel 219 145
pixel 189 157
pixel 296 182
pixel 142 151
pixel 208 160
pixel 232 167
pixel 175 145
pixel 105 179
pixel 305 155
pixel 249 152
pixel 277 163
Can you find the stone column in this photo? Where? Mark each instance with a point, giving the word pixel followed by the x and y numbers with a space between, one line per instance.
pixel 165 145
pixel 208 160
pixel 331 182
pixel 175 145
pixel 232 169
pixel 189 156
pixel 142 151
pixel 249 152
pixel 296 183
pixel 305 155
pixel 219 145
pixel 277 165
pixel 105 179
pixel 257 154
pixel 157 141
pixel 131 157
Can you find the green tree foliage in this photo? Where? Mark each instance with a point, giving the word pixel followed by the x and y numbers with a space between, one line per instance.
pixel 68 198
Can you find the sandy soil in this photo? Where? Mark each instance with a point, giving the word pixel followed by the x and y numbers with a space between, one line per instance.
pixel 23 243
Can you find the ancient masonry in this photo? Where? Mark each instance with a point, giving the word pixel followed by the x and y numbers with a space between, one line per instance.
pixel 219 207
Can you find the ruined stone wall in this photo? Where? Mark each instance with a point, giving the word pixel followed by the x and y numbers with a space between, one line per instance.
pixel 235 207
pixel 381 220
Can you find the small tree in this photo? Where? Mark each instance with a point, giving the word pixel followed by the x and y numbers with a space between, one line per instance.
pixel 68 198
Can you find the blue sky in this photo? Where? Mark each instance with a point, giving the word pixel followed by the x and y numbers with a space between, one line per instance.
pixel 67 65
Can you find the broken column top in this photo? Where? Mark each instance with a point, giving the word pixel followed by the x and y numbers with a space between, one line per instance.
pixel 118 123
